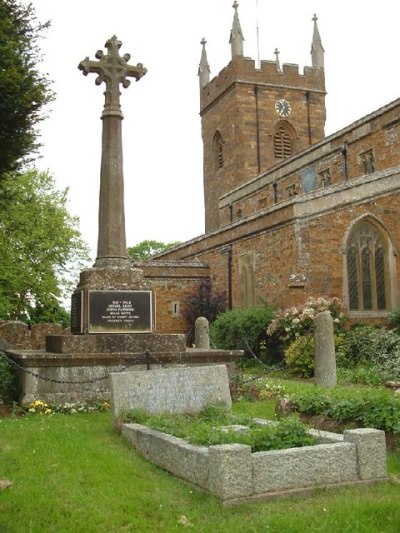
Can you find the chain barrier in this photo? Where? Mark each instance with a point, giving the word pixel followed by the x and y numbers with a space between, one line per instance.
pixel 147 355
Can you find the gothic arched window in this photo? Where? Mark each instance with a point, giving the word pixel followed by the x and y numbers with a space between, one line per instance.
pixel 283 141
pixel 367 268
pixel 218 150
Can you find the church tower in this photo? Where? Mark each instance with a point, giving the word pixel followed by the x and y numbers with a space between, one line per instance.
pixel 253 118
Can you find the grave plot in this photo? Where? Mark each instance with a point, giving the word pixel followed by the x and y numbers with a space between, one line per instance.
pixel 231 471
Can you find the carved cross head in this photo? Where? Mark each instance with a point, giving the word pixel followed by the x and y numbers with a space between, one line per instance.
pixel 114 70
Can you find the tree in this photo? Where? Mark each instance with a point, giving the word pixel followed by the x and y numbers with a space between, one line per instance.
pixel 146 249
pixel 41 249
pixel 23 89
pixel 202 301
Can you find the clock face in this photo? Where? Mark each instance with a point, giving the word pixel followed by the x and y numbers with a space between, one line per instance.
pixel 283 108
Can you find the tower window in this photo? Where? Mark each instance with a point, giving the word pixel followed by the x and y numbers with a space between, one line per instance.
pixel 324 178
pixel 291 191
pixel 367 161
pixel 367 269
pixel 282 143
pixel 218 150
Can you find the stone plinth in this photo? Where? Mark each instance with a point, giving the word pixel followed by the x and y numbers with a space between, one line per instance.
pixel 113 277
pixel 70 377
pixel 111 343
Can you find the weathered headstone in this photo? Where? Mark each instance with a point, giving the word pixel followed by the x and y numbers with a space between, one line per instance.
pixel 15 334
pixel 39 333
pixel 169 390
pixel 202 333
pixel 325 358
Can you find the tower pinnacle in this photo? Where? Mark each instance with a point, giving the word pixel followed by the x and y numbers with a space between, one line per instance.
pixel 317 50
pixel 204 67
pixel 236 39
pixel 278 64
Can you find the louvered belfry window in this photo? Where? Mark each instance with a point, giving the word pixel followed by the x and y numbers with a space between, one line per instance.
pixel 367 269
pixel 218 150
pixel 282 144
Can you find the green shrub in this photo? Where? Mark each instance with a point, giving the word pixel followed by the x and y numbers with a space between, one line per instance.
pixel 377 408
pixel 241 329
pixel 357 346
pixel 361 374
pixel 394 319
pixel 299 356
pixel 8 382
pixel 368 346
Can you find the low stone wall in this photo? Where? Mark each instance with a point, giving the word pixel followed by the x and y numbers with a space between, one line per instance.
pixel 60 377
pixel 233 474
pixel 18 335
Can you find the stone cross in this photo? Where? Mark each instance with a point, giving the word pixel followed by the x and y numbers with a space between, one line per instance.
pixel 114 70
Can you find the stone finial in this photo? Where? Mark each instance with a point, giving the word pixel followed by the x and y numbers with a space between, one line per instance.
pixel 114 70
pixel 278 65
pixel 317 50
pixel 236 39
pixel 204 67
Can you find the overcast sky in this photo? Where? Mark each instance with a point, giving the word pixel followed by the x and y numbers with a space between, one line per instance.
pixel 161 129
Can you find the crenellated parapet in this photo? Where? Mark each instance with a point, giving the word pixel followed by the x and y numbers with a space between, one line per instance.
pixel 243 70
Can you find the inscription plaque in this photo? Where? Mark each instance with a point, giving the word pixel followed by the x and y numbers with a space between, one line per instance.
pixel 120 312
pixel 76 313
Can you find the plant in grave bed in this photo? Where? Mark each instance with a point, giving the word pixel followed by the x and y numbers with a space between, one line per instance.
pixel 207 430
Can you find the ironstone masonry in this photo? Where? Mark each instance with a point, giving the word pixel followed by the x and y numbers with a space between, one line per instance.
pixel 290 213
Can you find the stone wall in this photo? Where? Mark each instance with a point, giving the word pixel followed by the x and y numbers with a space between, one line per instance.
pixel 297 243
pixel 172 282
pixel 239 103
pixel 18 335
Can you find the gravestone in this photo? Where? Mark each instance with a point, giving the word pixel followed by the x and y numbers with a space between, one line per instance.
pixel 169 390
pixel 202 333
pixel 325 357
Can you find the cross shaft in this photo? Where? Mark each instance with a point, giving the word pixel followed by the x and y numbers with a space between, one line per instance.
pixel 114 70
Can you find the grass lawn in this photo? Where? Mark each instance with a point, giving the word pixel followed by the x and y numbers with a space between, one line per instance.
pixel 74 473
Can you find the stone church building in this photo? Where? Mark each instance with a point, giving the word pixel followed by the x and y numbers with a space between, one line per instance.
pixel 289 213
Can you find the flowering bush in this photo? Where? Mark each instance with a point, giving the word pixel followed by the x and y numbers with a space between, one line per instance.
pixel 271 391
pixel 39 406
pixel 293 322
